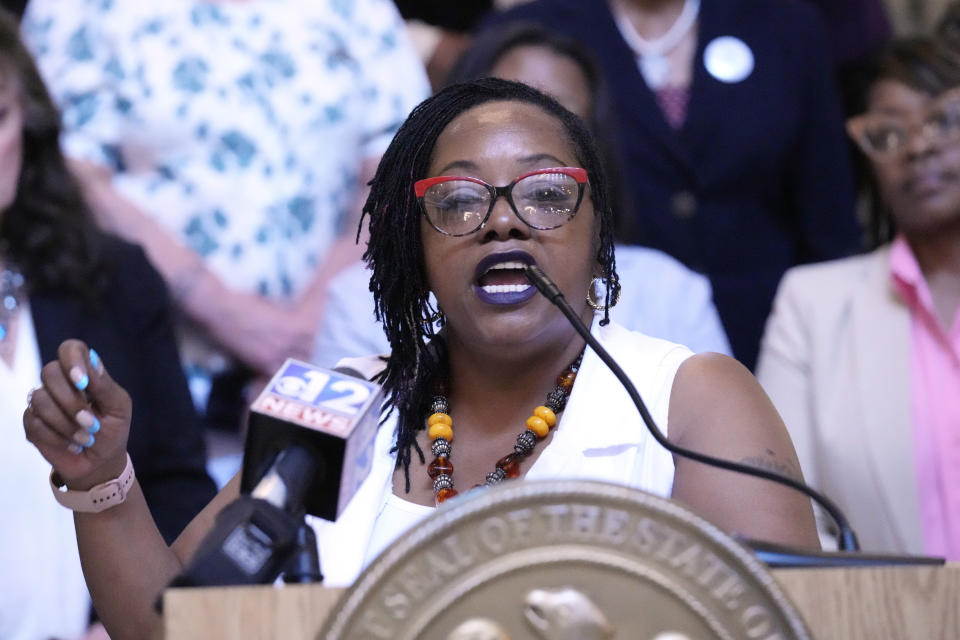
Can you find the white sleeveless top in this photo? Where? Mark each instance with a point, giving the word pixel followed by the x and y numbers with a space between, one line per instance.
pixel 623 452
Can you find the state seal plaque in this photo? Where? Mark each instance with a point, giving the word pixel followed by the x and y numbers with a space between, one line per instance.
pixel 564 560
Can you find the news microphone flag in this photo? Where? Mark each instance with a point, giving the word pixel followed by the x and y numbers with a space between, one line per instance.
pixel 328 411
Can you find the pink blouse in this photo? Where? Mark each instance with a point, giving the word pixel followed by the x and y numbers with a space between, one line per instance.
pixel 935 398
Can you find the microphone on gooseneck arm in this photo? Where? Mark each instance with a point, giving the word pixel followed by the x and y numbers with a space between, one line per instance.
pixel 772 554
pixel 308 448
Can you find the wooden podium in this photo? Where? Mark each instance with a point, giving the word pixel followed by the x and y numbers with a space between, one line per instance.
pixel 876 603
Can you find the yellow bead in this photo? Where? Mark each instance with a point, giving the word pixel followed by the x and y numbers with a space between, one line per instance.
pixel 547 414
pixel 441 430
pixel 538 426
pixel 439 417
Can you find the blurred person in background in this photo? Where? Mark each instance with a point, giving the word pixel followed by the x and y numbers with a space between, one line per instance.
pixel 858 32
pixel 441 31
pixel 731 138
pixel 61 277
pixel 233 140
pixel 915 17
pixel 659 296
pixel 861 356
pixel 948 29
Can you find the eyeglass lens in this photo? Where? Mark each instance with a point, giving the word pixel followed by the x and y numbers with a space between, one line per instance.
pixel 890 134
pixel 541 200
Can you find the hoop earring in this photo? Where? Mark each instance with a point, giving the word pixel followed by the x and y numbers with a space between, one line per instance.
pixel 436 317
pixel 599 302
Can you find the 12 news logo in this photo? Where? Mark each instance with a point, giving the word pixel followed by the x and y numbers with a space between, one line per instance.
pixel 317 398
pixel 321 388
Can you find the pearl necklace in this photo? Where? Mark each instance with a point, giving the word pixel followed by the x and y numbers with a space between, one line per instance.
pixel 652 54
pixel 11 297
pixel 440 431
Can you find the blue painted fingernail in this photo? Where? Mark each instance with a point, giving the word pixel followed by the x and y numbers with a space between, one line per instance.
pixel 92 440
pixel 79 378
pixel 74 448
pixel 88 421
pixel 94 359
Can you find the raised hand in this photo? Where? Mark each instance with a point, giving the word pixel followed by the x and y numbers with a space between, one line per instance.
pixel 79 418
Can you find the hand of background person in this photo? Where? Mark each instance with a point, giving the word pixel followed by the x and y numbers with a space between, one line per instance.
pixel 260 333
pixel 60 414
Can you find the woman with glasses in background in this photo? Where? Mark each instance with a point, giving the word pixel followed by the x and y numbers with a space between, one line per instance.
pixel 482 179
pixel 862 356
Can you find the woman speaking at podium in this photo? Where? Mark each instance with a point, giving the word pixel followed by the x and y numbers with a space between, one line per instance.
pixel 483 179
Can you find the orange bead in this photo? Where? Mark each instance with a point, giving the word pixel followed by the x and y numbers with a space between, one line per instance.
pixel 439 418
pixel 440 465
pixel 547 414
pixel 538 425
pixel 445 494
pixel 440 430
pixel 511 468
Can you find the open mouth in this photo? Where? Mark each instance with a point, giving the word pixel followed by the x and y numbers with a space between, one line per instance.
pixel 504 277
pixel 501 278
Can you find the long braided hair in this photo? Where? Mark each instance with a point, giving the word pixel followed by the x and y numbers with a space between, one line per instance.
pixel 395 253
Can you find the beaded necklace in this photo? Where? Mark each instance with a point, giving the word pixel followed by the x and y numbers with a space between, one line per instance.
pixel 11 297
pixel 440 431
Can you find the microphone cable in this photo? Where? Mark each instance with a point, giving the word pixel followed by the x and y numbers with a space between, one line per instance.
pixel 847 540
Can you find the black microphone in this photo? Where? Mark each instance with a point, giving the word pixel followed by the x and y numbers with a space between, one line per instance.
pixel 333 413
pixel 308 448
pixel 255 536
pixel 779 555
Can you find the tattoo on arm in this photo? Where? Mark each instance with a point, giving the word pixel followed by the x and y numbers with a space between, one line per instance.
pixel 769 462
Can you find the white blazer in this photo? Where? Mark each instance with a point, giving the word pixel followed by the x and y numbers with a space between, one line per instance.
pixel 835 361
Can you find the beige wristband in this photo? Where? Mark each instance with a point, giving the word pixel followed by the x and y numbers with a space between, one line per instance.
pixel 97 499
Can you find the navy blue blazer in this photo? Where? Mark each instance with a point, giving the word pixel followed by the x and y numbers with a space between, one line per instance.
pixel 132 331
pixel 757 180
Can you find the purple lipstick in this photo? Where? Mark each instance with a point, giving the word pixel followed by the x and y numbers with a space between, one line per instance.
pixel 500 279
